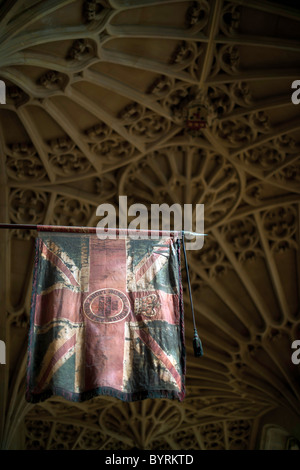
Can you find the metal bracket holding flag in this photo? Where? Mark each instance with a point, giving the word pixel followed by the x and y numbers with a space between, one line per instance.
pixel 103 308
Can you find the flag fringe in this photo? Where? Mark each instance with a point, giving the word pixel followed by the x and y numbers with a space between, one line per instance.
pixel 103 391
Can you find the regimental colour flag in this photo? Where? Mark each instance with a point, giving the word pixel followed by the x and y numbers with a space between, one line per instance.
pixel 106 318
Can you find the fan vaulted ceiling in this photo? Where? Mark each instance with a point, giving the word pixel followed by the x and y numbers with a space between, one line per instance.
pixel 97 95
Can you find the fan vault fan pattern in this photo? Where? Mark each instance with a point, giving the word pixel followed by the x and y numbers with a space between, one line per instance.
pixel 97 94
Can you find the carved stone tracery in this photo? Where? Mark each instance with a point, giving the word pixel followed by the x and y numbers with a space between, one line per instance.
pixel 244 167
pixel 217 185
pixel 70 212
pixel 243 237
pixel 230 19
pixel 66 159
pixel 197 15
pixel 280 225
pixel 27 206
pixel 23 163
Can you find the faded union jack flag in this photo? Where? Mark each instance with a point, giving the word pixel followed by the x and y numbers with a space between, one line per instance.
pixel 106 318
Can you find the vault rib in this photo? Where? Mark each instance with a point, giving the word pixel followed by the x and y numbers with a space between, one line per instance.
pixel 211 337
pixel 298 243
pixel 51 434
pixel 132 4
pixel 25 83
pixel 47 61
pixel 7 11
pixel 263 105
pixel 255 296
pixel 257 75
pixel 273 271
pixel 104 116
pixel 215 143
pixel 271 203
pixel 17 407
pixel 154 32
pixel 236 308
pixel 269 392
pixel 127 91
pixel 276 357
pixel 47 184
pixel 260 41
pixel 76 193
pixel 39 145
pixel 213 29
pixel 26 300
pixel 284 11
pixel 209 353
pixel 32 39
pixel 212 316
pixel 274 381
pixel 66 124
pixel 149 65
pixel 30 16
pixel 286 162
pixel 277 131
pixel 229 320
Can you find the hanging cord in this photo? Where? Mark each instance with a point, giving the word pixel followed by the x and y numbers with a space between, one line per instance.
pixel 197 344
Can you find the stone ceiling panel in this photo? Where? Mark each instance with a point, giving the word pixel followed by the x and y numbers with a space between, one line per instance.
pixel 98 96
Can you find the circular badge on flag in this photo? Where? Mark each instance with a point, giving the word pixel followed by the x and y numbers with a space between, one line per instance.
pixel 106 306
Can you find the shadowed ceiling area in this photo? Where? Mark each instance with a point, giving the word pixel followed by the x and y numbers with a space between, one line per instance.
pixel 98 95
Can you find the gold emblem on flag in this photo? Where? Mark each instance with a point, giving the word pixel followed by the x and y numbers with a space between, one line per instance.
pixel 147 305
